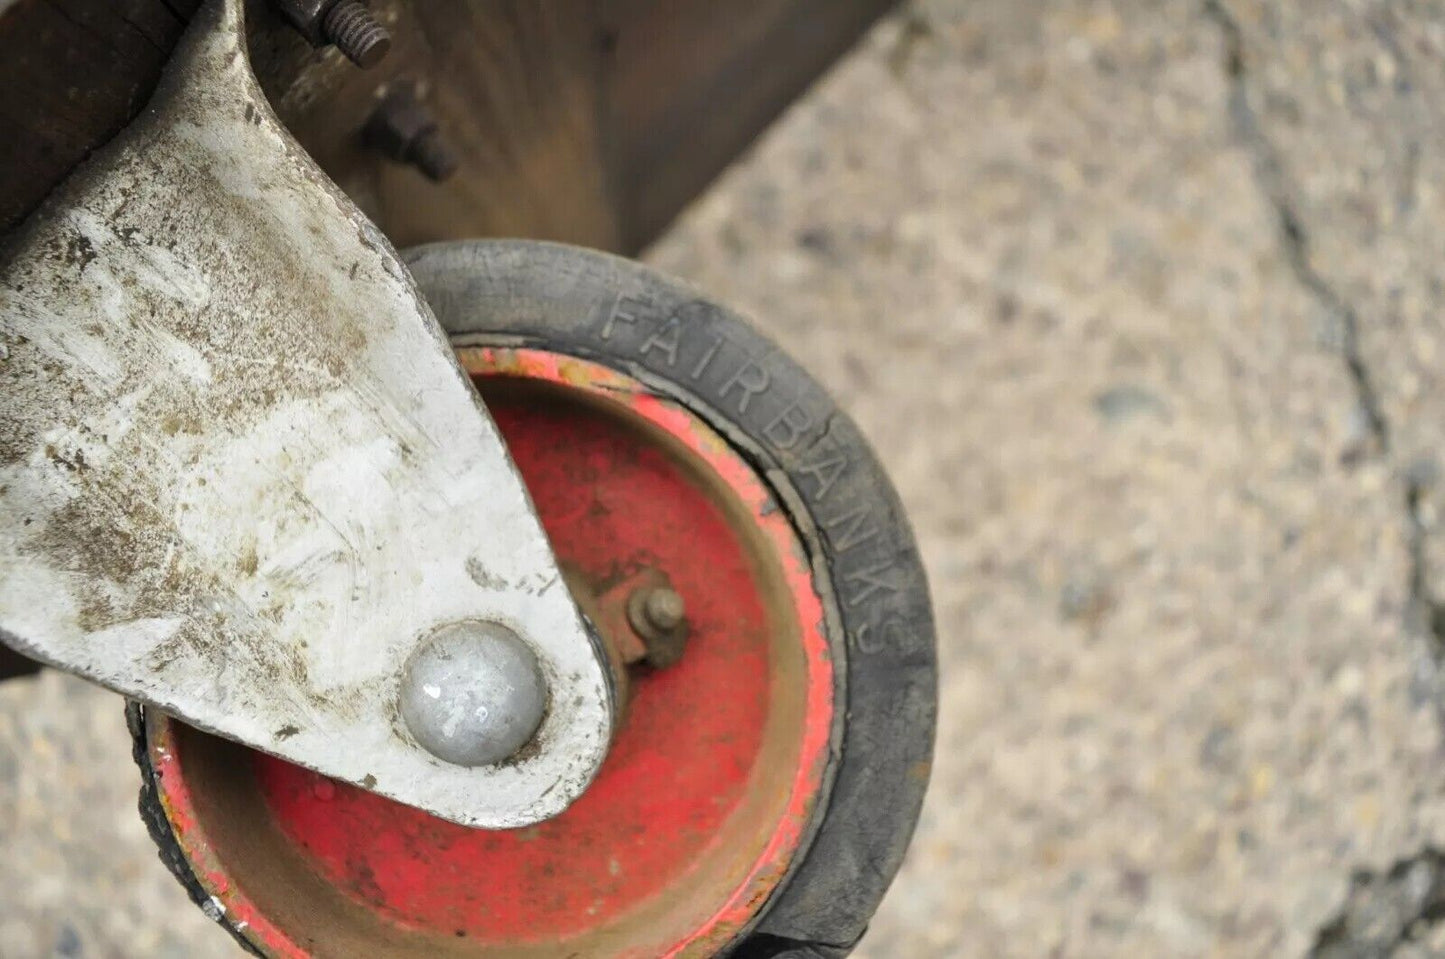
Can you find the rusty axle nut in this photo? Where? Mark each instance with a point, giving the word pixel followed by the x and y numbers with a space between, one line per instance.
pixel 402 129
pixel 346 23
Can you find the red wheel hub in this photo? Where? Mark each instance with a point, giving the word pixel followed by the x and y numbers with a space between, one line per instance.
pixel 709 789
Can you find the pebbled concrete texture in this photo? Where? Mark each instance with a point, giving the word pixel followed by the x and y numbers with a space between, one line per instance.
pixel 1137 301
pixel 1140 303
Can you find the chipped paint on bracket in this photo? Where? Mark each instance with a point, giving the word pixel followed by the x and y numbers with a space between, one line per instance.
pixel 241 474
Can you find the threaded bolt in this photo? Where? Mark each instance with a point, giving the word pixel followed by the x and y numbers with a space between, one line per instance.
pixel 433 156
pixel 402 129
pixel 659 617
pixel 356 33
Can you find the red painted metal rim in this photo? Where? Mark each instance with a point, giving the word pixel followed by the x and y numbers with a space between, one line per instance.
pixel 733 905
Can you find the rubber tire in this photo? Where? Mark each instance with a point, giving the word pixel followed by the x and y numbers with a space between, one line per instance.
pixel 660 331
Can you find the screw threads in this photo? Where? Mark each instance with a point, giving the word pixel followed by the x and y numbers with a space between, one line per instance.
pixel 356 33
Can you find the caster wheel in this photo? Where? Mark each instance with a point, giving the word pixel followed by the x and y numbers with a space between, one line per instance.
pixel 739 547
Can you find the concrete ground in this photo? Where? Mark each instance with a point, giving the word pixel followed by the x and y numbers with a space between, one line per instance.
pixel 1138 300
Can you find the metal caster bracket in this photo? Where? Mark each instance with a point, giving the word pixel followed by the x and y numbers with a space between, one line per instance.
pixel 243 480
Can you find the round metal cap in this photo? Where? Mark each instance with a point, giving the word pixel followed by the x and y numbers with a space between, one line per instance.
pixel 473 693
pixel 664 608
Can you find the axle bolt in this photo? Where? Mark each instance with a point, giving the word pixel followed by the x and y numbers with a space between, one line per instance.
pixel 473 694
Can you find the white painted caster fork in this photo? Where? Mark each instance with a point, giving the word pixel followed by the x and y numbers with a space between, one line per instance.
pixel 222 491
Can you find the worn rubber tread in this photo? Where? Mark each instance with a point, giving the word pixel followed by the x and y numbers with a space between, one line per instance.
pixel 153 814
pixel 711 360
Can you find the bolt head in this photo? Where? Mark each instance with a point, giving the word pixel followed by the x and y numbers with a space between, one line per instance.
pixel 473 693
pixel 664 608
pixel 658 616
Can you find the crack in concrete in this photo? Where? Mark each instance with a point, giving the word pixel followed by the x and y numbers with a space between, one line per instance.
pixel 1382 911
pixel 1385 911
pixel 1425 607
pixel 1274 184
